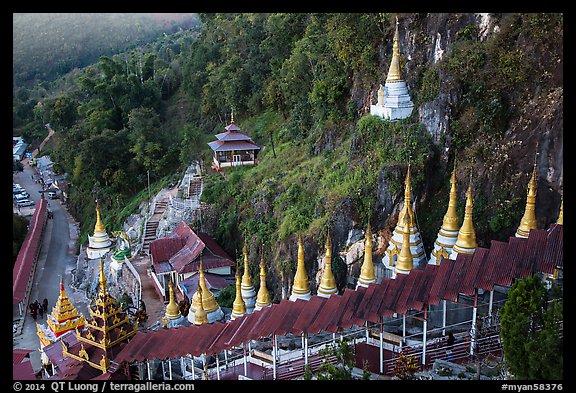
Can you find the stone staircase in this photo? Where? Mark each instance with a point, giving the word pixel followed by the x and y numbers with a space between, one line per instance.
pixel 151 226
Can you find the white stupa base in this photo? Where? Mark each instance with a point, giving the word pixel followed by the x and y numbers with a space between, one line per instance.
pixel 323 292
pixel 460 250
pixel 173 323
pixel 445 241
pixel 303 296
pixel 259 306
pixel 397 102
pixel 96 253
pixel 212 316
pixel 364 283
pixel 249 297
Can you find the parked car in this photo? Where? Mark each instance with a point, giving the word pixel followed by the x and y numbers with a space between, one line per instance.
pixel 52 195
pixel 17 189
pixel 21 196
pixel 25 202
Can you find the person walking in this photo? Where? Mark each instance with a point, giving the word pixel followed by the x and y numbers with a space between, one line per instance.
pixel 45 305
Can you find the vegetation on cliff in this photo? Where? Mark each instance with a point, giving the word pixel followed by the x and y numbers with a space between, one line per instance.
pixel 300 85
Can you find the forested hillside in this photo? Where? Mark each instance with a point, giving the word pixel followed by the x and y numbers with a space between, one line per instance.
pixel 488 91
pixel 48 45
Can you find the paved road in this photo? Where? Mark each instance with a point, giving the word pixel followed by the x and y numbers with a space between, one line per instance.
pixel 57 258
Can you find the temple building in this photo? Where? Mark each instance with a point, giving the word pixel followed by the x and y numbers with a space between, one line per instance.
pixel 176 258
pixel 233 148
pixel 448 233
pixel 395 245
pixel 64 318
pixel 466 241
pixel 528 220
pixel 327 283
pixel 248 292
pixel 263 297
pixel 300 287
pixel 99 243
pixel 209 305
pixel 89 353
pixel 394 102
pixel 367 275
pixel 238 307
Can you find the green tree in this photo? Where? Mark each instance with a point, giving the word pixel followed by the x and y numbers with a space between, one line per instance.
pixel 342 370
pixel 532 322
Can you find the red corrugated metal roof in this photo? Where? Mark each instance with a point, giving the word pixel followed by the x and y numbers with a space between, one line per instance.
pixel 181 249
pixel 213 246
pixel 377 299
pixel 481 270
pixel 162 249
pixel 233 145
pixel 19 354
pixel 308 315
pixel 348 317
pixel 28 252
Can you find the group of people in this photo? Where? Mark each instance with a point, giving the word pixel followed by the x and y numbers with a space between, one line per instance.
pixel 37 308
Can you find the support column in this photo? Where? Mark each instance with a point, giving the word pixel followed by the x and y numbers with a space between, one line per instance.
pixel 217 368
pixel 163 370
pixel 425 328
pixel 226 358
pixel 204 368
pixel 473 327
pixel 170 369
pixel 305 348
pixel 333 337
pixel 381 349
pixel 274 354
pixel 490 303
pixel 148 367
pixel 193 371
pixel 403 330
pixel 444 317
pixel 182 368
pixel 245 361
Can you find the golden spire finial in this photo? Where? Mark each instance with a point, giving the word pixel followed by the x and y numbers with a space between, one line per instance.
pixel 528 220
pixel 561 214
pixel 467 234
pixel 246 279
pixel 394 70
pixel 200 315
pixel 263 298
pixel 99 227
pixel 328 283
pixel 209 302
pixel 232 117
pixel 450 222
pixel 301 278
pixel 62 290
pixel 172 310
pixel 405 262
pixel 407 208
pixel 367 271
pixel 238 307
pixel 102 279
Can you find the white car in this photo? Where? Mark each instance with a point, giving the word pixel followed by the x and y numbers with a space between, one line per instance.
pixel 25 202
pixel 21 196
